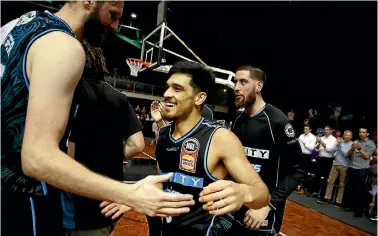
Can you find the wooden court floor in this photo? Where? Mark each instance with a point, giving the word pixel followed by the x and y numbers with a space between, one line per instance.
pixel 298 220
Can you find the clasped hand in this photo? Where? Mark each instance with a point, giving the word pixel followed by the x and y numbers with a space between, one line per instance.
pixel 222 197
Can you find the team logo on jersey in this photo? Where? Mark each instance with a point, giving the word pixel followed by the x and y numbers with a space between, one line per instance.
pixel 189 154
pixel 289 131
pixel 26 18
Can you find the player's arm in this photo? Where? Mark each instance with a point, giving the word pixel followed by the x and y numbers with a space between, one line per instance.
pixel 249 190
pixel 290 164
pixel 134 143
pixel 55 64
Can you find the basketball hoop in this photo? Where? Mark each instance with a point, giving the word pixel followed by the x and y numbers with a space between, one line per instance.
pixel 135 65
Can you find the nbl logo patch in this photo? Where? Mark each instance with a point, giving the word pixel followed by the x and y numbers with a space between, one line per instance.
pixel 189 155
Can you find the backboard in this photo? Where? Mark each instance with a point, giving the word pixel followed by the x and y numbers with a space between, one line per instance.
pixel 155 50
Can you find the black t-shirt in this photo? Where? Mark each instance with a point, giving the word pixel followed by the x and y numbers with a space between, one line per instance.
pixel 104 119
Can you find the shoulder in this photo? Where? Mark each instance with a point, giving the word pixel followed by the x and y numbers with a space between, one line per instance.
pixel 60 43
pixel 275 115
pixel 224 138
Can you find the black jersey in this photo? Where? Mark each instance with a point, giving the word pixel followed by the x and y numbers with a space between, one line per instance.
pixel 186 157
pixel 272 148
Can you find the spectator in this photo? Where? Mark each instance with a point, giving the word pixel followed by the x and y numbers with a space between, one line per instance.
pixel 137 110
pixel 360 152
pixel 326 146
pixel 339 168
pixel 307 142
pixel 143 112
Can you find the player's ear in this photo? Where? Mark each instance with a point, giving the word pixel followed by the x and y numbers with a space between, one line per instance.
pixel 200 98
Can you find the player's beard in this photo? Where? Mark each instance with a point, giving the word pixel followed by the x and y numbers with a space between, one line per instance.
pixel 94 32
pixel 247 101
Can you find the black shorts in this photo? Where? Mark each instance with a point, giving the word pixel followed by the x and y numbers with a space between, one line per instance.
pixel 272 227
pixel 23 214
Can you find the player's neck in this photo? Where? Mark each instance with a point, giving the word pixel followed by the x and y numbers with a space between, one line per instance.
pixel 185 124
pixel 74 18
pixel 255 107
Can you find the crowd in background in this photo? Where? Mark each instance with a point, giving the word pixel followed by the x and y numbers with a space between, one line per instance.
pixel 341 157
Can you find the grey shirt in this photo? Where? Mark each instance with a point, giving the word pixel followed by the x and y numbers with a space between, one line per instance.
pixel 357 161
pixel 341 154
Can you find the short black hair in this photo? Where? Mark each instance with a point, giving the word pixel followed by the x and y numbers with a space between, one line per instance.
pixel 203 80
pixel 307 125
pixel 254 72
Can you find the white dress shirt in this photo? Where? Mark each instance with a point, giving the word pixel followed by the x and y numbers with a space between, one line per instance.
pixel 331 145
pixel 307 143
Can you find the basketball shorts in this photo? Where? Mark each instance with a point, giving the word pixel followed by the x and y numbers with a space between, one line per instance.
pixel 26 215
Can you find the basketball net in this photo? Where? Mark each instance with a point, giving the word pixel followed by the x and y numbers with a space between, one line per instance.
pixel 135 65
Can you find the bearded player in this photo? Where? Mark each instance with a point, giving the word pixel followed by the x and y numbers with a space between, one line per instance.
pixel 271 147
pixel 42 61
pixel 203 157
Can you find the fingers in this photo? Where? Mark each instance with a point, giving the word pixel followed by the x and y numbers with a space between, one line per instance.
pixel 258 225
pixel 112 211
pixel 217 205
pixel 104 203
pixel 253 225
pixel 108 208
pixel 215 187
pixel 212 197
pixel 116 215
pixel 172 211
pixel 173 198
pixel 249 222
pixel 159 178
pixel 120 211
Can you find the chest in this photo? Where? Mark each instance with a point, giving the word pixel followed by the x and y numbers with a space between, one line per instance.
pixel 255 135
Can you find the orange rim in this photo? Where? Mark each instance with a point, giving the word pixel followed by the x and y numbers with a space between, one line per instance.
pixel 145 64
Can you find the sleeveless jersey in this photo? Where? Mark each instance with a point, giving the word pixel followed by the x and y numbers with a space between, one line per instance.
pixel 186 157
pixel 15 92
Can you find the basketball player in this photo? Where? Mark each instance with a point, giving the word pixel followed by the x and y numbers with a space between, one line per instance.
pixel 105 132
pixel 271 147
pixel 202 157
pixel 42 61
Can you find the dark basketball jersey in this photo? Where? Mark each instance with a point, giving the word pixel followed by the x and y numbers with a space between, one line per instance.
pixel 186 157
pixel 14 95
pixel 271 146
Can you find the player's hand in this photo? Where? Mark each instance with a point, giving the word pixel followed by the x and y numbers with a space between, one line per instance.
pixel 356 144
pixel 222 197
pixel 148 199
pixel 157 110
pixel 113 209
pixel 318 139
pixel 254 218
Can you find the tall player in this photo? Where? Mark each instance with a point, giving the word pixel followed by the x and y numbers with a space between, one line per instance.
pixel 202 157
pixel 42 61
pixel 271 147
